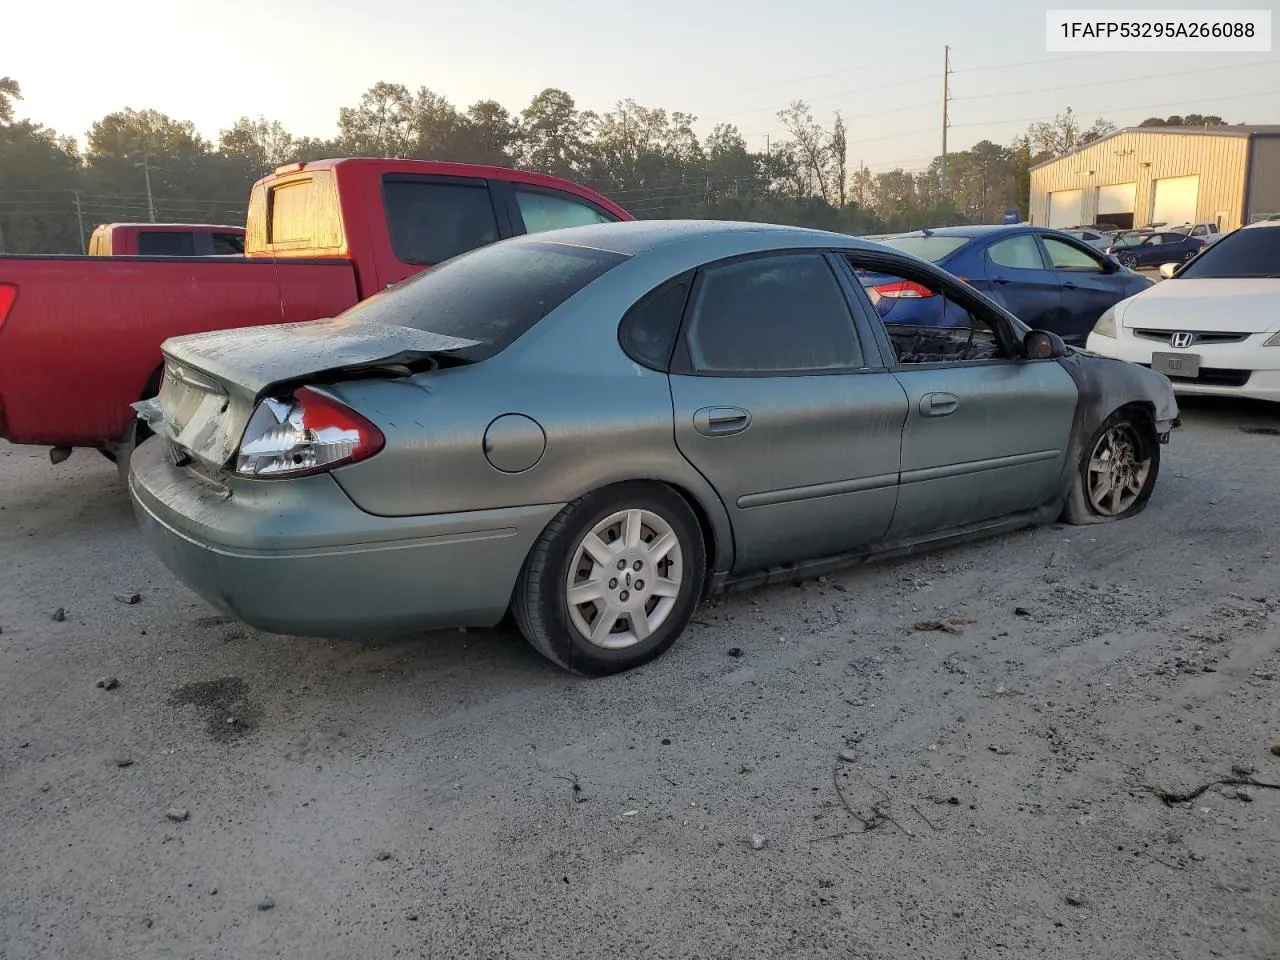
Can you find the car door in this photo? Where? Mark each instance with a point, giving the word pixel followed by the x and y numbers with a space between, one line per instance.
pixel 1019 280
pixel 1088 285
pixel 987 430
pixel 1153 250
pixel 786 408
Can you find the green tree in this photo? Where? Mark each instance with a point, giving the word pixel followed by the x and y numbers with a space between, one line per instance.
pixel 552 134
pixel 381 125
pixel 263 143
pixel 1190 120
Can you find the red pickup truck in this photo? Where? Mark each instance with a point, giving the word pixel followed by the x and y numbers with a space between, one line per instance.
pixel 166 240
pixel 80 336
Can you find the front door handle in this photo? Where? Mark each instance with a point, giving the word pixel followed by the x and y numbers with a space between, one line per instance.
pixel 721 421
pixel 939 404
pixel 1069 286
pixel 1002 280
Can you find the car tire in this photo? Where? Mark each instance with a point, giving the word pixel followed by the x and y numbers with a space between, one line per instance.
pixel 1123 452
pixel 1128 260
pixel 661 593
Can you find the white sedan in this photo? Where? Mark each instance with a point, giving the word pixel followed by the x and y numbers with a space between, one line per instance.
pixel 1213 326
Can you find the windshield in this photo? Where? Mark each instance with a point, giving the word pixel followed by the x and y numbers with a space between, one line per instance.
pixel 492 294
pixel 932 249
pixel 1254 252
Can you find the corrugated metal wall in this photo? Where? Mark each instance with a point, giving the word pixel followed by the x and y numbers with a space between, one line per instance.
pixel 1264 187
pixel 1143 158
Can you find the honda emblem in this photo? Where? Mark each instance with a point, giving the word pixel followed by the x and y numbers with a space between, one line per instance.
pixel 1182 340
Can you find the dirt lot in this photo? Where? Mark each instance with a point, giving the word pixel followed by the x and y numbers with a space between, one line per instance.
pixel 919 793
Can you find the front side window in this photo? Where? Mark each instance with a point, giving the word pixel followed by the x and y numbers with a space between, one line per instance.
pixel 492 294
pixel 432 221
pixel 551 211
pixel 1063 256
pixel 776 314
pixel 953 329
pixel 1018 253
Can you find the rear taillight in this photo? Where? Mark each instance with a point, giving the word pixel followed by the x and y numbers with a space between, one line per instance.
pixel 310 434
pixel 903 290
pixel 8 294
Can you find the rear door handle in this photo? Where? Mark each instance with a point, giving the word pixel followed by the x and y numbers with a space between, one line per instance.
pixel 939 404
pixel 1002 280
pixel 1069 286
pixel 721 421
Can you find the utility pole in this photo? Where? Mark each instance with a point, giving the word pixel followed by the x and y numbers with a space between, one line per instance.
pixel 151 206
pixel 946 100
pixel 79 219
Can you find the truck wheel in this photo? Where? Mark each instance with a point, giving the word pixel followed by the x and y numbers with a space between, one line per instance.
pixel 1118 471
pixel 614 579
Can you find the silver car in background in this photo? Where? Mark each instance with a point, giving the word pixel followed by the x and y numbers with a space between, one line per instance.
pixel 595 428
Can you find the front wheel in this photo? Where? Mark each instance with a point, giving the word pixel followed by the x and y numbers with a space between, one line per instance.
pixel 1118 471
pixel 1128 260
pixel 613 581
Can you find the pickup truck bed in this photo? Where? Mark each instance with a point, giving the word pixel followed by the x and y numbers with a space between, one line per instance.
pixel 46 365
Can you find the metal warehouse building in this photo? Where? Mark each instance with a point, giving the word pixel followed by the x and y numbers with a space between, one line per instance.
pixel 1174 175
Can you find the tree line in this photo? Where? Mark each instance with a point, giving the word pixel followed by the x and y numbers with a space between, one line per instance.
pixel 53 189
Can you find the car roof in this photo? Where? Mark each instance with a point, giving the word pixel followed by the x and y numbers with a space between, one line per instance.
pixel 634 237
pixel 1262 223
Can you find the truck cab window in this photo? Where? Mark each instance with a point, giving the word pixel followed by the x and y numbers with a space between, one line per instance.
pixel 432 221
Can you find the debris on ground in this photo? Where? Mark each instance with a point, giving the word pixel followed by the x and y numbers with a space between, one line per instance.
pixel 735 652
pixel 108 683
pixel 178 814
pixel 848 756
pixel 123 762
pixel 1275 750
pixel 999 751
pixel 384 855
pixel 1170 799
pixel 267 904
pixel 129 597
pixel 1021 612
pixel 1075 900
pixel 757 841
pixel 952 625
pixel 60 615
pixel 1242 768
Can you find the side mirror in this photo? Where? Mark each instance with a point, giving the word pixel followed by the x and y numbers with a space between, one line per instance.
pixel 1043 345
pixel 1167 270
pixel 1110 263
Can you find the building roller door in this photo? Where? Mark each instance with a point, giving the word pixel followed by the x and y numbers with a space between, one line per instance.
pixel 1175 201
pixel 1064 208
pixel 1115 204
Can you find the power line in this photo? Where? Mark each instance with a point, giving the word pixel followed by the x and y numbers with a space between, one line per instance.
pixel 1113 109
pixel 1115 80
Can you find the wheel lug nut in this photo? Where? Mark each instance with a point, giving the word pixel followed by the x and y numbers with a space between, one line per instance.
pixel 622 564
pixel 624 596
pixel 613 584
pixel 637 565
pixel 639 584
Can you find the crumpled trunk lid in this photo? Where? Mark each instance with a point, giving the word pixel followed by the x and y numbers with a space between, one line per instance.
pixel 213 381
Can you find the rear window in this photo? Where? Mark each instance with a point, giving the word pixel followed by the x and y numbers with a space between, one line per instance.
pixel 493 294
pixel 932 249
pixel 227 244
pixel 157 243
pixel 1253 252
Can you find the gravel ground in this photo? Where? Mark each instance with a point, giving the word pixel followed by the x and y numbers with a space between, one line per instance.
pixel 911 793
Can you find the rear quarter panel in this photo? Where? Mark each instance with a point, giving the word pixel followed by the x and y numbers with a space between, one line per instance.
pixel 83 340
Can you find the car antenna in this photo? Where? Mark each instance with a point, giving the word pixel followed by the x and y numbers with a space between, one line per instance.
pixel 926 231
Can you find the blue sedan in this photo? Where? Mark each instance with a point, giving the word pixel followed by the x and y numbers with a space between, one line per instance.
pixel 1047 279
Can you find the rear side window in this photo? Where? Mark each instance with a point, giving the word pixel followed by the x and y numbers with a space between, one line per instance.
pixel 1251 252
pixel 775 314
pixel 158 243
pixel 648 330
pixel 432 221
pixel 493 294
pixel 541 210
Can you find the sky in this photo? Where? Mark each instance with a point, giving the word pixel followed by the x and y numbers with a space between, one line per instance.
pixel 879 62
